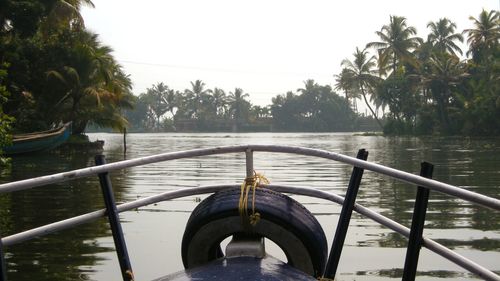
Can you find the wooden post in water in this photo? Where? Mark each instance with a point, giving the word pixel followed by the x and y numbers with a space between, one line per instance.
pixel 124 141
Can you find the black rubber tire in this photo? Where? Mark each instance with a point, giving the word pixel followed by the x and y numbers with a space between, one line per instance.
pixel 282 219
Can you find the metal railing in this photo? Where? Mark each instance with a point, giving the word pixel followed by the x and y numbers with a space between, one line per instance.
pixel 348 204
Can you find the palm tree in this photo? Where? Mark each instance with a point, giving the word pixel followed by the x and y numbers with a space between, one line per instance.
pixel 91 76
pixel 51 15
pixel 219 101
pixel 309 97
pixel 309 86
pixel 343 83
pixel 67 13
pixel 118 86
pixel 117 99
pixel 363 78
pixel 194 98
pixel 446 74
pixel 397 42
pixel 172 101
pixel 423 53
pixel 64 15
pixel 238 105
pixel 485 35
pixel 443 36
pixel 157 96
pixel 260 111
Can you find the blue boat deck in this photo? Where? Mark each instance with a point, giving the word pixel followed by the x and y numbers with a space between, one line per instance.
pixel 241 268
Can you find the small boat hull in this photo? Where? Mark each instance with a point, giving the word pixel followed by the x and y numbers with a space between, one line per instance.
pixel 39 141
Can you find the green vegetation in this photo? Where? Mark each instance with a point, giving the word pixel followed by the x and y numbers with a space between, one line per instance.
pixel 58 71
pixel 313 108
pixel 194 109
pixel 5 120
pixel 53 70
pixel 423 87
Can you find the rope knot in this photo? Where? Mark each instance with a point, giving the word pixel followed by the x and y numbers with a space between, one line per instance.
pixel 250 183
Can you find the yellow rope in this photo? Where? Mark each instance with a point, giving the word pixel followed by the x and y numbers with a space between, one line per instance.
pixel 250 183
pixel 130 275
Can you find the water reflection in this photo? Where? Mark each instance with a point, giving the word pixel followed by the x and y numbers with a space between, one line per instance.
pixel 58 256
pixel 155 231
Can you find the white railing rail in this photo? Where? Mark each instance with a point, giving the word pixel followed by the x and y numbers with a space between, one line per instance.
pixel 397 174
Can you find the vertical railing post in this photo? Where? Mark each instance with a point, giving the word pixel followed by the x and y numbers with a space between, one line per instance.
pixel 114 222
pixel 417 225
pixel 249 163
pixel 344 219
pixel 3 268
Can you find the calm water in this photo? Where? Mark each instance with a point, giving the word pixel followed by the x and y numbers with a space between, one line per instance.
pixel 154 233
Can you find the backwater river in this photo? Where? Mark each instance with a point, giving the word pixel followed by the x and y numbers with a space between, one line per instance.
pixel 154 233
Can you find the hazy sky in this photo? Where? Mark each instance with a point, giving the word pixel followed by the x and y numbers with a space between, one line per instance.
pixel 265 47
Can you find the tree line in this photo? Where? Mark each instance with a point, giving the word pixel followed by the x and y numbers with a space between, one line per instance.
pixel 410 86
pixel 423 86
pixel 312 108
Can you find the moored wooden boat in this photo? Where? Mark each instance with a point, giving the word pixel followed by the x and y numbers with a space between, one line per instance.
pixel 38 141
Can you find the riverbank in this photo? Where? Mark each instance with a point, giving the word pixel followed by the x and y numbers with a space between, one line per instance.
pixel 81 144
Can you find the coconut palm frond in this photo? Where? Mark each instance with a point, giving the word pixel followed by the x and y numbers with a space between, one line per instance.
pixel 55 74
